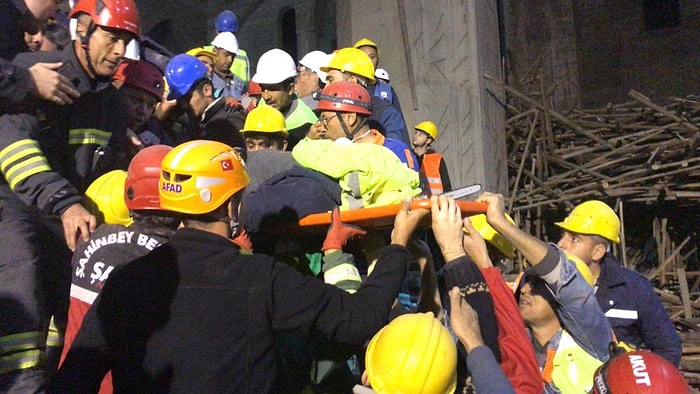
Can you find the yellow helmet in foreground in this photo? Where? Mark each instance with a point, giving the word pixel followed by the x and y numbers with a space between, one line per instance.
pixel 199 176
pixel 412 354
pixel 106 198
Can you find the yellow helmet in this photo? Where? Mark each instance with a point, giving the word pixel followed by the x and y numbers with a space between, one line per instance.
pixel 412 354
pixel 428 127
pixel 492 236
pixel 199 176
pixel 582 268
pixel 593 218
pixel 202 51
pixel 352 60
pixel 265 119
pixel 365 42
pixel 106 198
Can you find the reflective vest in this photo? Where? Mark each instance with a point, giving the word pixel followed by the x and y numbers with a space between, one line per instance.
pixel 430 170
pixel 240 66
pixel 570 368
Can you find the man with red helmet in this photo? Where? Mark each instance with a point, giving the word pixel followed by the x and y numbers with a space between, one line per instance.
pixel 112 245
pixel 345 108
pixel 638 372
pixel 49 154
pixel 142 86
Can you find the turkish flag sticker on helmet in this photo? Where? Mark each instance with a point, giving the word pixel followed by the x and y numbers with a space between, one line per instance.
pixel 227 165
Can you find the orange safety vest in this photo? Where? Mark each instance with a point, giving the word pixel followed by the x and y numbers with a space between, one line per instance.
pixel 430 170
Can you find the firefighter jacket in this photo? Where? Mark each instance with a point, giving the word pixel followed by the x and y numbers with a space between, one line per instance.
pixel 434 170
pixel 49 154
pixel 195 315
pixel 369 174
pixel 572 356
pixel 109 247
pixel 635 311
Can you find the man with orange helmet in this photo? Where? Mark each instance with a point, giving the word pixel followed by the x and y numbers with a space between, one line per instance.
pixel 112 245
pixel 49 154
pixel 195 310
pixel 627 298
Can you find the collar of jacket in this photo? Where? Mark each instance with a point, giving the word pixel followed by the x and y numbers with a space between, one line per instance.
pixel 611 271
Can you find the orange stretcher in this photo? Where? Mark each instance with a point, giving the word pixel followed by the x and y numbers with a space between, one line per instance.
pixel 383 216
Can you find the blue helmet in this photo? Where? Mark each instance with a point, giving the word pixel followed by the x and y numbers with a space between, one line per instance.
pixel 181 73
pixel 227 21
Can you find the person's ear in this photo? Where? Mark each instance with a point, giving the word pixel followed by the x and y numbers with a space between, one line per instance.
pixel 290 89
pixel 351 119
pixel 208 90
pixel 598 252
pixel 284 144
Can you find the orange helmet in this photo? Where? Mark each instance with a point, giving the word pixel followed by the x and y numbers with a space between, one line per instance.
pixel 141 185
pixel 199 176
pixel 118 14
pixel 345 97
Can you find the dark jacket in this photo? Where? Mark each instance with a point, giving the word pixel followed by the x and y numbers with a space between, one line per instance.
pixel 76 143
pixel 195 316
pixel 635 311
pixel 223 122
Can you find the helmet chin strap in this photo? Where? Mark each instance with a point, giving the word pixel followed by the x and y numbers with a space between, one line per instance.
pixel 349 134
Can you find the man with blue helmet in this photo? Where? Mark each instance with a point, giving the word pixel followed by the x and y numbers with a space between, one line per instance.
pixel 191 86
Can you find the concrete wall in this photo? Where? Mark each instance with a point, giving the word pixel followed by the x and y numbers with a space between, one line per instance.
pixel 617 53
pixel 437 70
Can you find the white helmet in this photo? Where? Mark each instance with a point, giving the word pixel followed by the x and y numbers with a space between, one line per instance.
pixel 226 41
pixel 314 60
pixel 274 66
pixel 382 74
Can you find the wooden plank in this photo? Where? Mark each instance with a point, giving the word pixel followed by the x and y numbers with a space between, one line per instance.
pixel 685 296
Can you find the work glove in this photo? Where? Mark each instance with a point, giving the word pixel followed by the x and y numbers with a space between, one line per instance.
pixel 339 233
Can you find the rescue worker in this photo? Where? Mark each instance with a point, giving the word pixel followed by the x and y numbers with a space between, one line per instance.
pixel 569 331
pixel 381 89
pixel 223 307
pixel 638 372
pixel 635 312
pixel 432 164
pixel 353 65
pixel 142 87
pixel 311 79
pixel 189 85
pixel 49 154
pixel 345 108
pixel 119 241
pixel 275 73
pixel 368 173
pixel 227 22
pixel 226 83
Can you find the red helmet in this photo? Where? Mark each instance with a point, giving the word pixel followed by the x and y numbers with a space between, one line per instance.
pixel 141 74
pixel 119 14
pixel 141 185
pixel 254 88
pixel 638 372
pixel 345 97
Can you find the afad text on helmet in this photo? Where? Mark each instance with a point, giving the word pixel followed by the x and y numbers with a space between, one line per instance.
pixel 172 187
